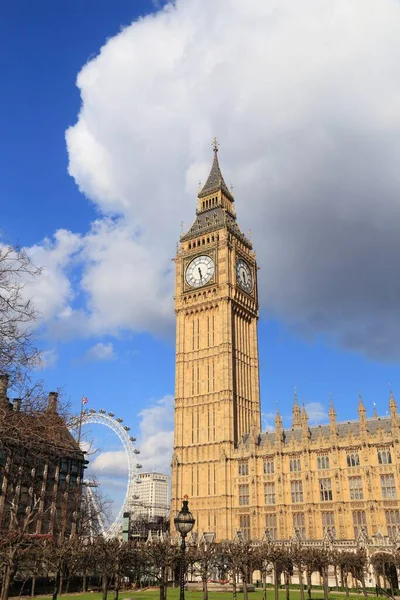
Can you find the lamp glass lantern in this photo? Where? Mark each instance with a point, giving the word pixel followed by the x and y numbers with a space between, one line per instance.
pixel 184 521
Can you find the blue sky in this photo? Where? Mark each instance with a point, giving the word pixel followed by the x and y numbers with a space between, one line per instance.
pixel 309 138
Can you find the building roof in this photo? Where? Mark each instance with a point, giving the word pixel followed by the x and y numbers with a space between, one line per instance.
pixel 344 430
pixel 213 219
pixel 215 181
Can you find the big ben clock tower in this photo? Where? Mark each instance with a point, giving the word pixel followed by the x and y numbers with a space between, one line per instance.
pixel 217 399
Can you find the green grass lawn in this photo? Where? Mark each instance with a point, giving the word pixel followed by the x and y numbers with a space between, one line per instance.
pixel 173 594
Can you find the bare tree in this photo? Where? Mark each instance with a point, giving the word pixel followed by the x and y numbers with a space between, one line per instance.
pixel 203 557
pixel 16 543
pixel 17 314
pixel 159 557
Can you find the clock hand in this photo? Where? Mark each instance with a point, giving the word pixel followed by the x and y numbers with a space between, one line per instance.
pixel 201 276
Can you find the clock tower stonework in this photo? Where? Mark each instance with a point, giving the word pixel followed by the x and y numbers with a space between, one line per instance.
pixel 217 396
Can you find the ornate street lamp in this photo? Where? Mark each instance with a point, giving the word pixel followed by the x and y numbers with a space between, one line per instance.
pixel 184 523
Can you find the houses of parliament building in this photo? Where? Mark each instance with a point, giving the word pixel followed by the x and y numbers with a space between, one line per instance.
pixel 340 477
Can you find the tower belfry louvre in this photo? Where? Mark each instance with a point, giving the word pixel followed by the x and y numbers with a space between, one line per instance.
pixel 217 379
pixel 338 479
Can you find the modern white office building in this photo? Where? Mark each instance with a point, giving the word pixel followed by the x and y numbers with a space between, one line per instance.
pixel 151 496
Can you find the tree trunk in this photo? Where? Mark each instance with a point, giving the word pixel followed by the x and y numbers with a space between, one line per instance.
pixel 84 583
pixel 301 583
pixel 364 589
pixel 346 585
pixel 287 582
pixel 116 586
pixel 61 584
pixel 234 585
pixel 276 582
pixel 162 584
pixel 33 585
pixel 6 583
pixel 264 584
pixel 104 586
pixel 325 582
pixel 309 584
pixel 245 591
pixel 56 584
pixel 336 577
pixel 205 589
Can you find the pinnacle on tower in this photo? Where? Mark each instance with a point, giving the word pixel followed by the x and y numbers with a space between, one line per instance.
pixel 361 408
pixel 215 182
pixel 392 406
pixel 296 412
pixel 332 411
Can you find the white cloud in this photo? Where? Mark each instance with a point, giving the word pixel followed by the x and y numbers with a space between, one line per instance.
pixel 156 435
pixel 47 359
pixel 110 463
pixel 317 412
pixel 101 352
pixel 52 290
pixel 304 98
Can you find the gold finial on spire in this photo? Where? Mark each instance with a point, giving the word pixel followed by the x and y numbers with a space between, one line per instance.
pixel 215 145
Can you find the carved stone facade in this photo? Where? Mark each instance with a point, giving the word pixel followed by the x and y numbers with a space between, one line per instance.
pixel 341 477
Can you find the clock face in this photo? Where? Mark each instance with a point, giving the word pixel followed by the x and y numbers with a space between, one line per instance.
pixel 243 275
pixel 200 270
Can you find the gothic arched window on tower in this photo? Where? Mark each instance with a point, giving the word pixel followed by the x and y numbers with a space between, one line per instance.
pixel 243 468
pixel 244 496
pixel 353 460
pixel 269 467
pixel 325 490
pixel 388 486
pixel 384 457
pixel 269 493
pixel 322 462
pixel 296 488
pixel 295 465
pixel 392 522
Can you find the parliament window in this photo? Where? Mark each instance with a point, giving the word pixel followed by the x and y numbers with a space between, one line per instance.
pixel 270 526
pixel 269 493
pixel 299 524
pixel 356 488
pixel 388 486
pixel 384 457
pixel 328 522
pixel 244 523
pixel 244 498
pixel 296 488
pixel 268 467
pixel 359 521
pixel 392 522
pixel 243 468
pixel 295 465
pixel 325 490
pixel 322 462
pixel 353 460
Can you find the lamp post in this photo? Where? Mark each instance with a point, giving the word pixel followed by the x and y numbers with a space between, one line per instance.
pixel 184 523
